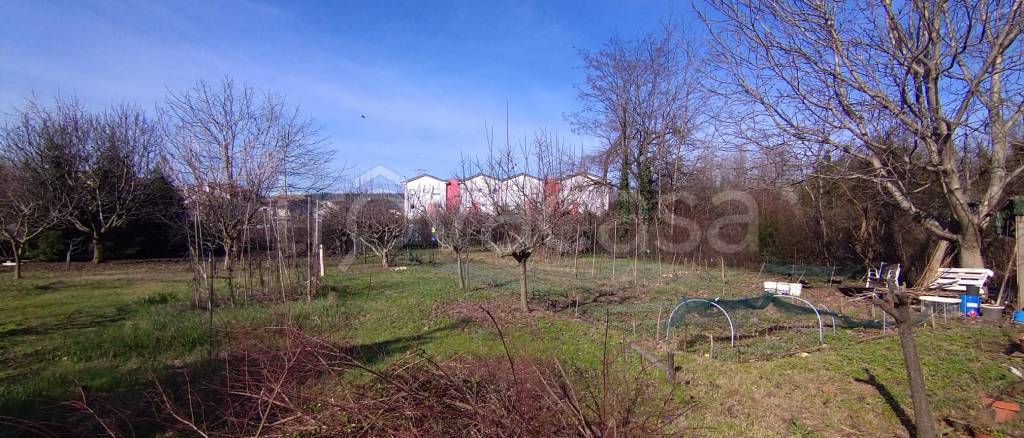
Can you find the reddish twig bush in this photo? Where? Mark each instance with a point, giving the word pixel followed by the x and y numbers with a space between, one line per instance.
pixel 284 381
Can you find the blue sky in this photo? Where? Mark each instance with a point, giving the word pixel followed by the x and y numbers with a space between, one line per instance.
pixel 427 76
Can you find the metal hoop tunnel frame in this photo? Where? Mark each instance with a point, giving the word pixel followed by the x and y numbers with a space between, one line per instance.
pixel 831 314
pixel 821 325
pixel 732 328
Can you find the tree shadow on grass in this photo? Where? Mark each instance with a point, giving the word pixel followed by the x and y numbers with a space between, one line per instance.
pixel 890 400
pixel 52 416
pixel 375 352
pixel 73 321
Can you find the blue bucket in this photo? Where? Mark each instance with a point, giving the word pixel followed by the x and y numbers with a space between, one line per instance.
pixel 1018 317
pixel 970 305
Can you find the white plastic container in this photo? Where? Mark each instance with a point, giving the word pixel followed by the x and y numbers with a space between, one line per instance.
pixel 795 289
pixel 781 288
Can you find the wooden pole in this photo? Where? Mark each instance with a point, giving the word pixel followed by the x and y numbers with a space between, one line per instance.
pixel 318 239
pixel 614 244
pixel 576 255
pixel 657 327
pixel 667 365
pixel 593 251
pixel 1006 275
pixel 320 256
pixel 636 246
pixel 935 261
pixel 309 249
pixel 1019 237
pixel 722 259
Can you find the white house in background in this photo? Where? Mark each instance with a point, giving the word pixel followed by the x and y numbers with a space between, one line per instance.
pixel 591 193
pixel 520 188
pixel 480 191
pixel 583 191
pixel 423 191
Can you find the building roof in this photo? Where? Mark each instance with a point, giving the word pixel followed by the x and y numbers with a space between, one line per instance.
pixel 479 175
pixel 586 175
pixel 484 175
pixel 422 175
pixel 522 174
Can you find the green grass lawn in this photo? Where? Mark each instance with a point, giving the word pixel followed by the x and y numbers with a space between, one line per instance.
pixel 111 328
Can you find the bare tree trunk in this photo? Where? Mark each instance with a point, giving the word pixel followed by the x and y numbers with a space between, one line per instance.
pixel 67 255
pixel 897 305
pixel 462 274
pixel 970 247
pixel 384 259
pixel 522 287
pixel 98 254
pixel 229 269
pixel 17 262
pixel 924 422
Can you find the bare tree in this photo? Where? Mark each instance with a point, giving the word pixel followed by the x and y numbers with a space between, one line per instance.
pixel 375 220
pixel 895 302
pixel 230 147
pixel 24 213
pixel 519 212
pixel 28 203
pixel 31 195
pixel 641 99
pixel 454 226
pixel 106 178
pixel 98 165
pixel 925 94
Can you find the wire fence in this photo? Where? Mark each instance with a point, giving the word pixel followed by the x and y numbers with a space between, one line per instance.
pixel 729 318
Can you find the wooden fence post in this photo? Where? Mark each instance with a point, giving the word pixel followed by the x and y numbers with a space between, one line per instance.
pixel 1019 237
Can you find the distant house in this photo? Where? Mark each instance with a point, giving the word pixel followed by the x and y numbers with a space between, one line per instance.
pixel 588 192
pixel 593 194
pixel 480 192
pixel 423 191
pixel 522 188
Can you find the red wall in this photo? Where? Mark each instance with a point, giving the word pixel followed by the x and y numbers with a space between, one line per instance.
pixel 452 197
pixel 551 188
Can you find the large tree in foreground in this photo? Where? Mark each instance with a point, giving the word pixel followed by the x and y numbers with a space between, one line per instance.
pixel 229 148
pixel 107 178
pixel 29 204
pixel 926 95
pixel 96 165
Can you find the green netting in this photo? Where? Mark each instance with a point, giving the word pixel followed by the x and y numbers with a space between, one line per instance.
pixel 765 326
pixel 752 308
pixel 810 270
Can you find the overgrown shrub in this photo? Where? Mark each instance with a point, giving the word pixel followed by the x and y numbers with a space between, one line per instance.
pixel 283 381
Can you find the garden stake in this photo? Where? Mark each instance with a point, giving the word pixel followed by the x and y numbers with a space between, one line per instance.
pixel 711 351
